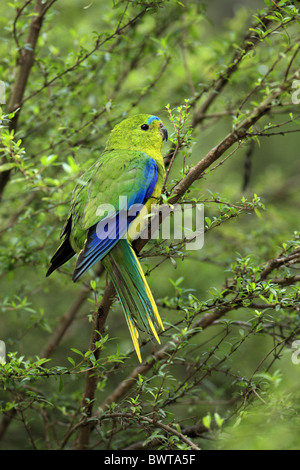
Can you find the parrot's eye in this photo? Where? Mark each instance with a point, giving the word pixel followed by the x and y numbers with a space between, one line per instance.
pixel 144 127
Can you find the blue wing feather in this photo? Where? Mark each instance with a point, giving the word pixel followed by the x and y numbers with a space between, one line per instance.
pixel 96 248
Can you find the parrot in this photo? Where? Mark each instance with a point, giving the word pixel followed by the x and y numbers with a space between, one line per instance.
pixel 129 174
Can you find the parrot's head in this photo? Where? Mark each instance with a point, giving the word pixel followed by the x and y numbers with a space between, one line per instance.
pixel 142 132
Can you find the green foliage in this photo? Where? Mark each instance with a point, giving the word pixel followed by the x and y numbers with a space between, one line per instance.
pixel 221 77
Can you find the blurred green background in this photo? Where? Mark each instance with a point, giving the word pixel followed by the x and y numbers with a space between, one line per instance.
pixel 61 124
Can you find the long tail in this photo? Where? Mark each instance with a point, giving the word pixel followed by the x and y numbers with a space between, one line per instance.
pixel 133 291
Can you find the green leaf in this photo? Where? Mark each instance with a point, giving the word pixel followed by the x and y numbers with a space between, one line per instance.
pixel 207 421
pixel 71 361
pixel 6 166
pixel 219 421
pixel 77 351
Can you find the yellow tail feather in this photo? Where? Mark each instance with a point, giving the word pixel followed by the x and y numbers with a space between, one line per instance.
pixel 134 335
pixel 157 316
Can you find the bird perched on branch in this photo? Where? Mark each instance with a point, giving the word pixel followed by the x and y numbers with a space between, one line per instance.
pixel 129 174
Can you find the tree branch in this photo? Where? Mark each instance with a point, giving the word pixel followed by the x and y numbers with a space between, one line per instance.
pixel 22 73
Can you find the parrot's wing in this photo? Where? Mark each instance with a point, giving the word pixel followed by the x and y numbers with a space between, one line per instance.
pixel 122 179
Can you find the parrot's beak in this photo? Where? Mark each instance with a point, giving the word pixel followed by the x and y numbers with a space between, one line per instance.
pixel 163 131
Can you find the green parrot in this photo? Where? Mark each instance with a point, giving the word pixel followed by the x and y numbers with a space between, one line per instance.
pixel 128 175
